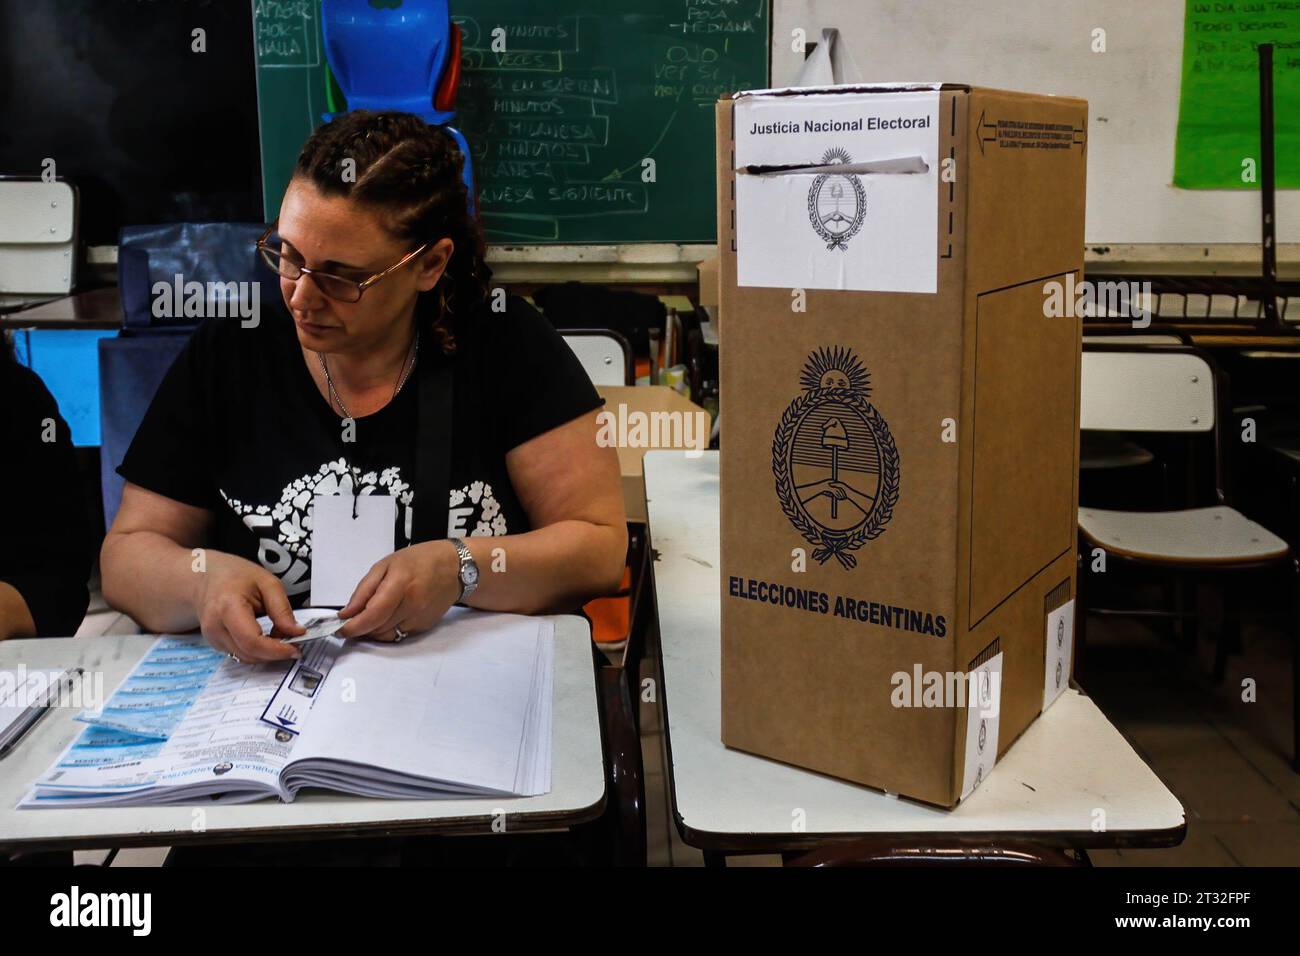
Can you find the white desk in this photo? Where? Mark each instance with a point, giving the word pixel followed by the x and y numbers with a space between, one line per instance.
pixel 577 772
pixel 1069 764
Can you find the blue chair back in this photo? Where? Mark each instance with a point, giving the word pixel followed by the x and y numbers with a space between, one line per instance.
pixel 130 370
pixel 213 254
pixel 216 263
pixel 389 56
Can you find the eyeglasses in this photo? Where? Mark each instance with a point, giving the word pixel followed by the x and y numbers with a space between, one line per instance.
pixel 336 287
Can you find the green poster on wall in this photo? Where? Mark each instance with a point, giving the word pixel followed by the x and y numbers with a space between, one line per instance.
pixel 1218 112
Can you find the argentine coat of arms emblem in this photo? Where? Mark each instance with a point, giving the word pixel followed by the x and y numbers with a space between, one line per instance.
pixel 834 460
pixel 837 203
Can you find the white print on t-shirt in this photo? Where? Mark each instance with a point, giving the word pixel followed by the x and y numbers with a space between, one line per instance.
pixel 284 529
pixel 490 519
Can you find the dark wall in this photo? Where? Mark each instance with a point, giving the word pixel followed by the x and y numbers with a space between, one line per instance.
pixel 148 130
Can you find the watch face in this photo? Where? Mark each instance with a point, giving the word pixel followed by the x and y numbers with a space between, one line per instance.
pixel 469 574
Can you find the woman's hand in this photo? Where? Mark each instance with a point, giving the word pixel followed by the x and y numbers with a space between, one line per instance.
pixel 411 589
pixel 233 593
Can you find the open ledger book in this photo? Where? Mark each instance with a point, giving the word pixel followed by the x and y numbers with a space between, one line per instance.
pixel 463 709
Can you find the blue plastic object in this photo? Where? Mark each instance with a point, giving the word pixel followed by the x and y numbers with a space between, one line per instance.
pixel 467 171
pixel 389 54
pixel 394 55
pixel 67 361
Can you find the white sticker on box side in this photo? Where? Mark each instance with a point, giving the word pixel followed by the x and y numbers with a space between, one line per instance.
pixel 1060 652
pixel 983 713
pixel 869 232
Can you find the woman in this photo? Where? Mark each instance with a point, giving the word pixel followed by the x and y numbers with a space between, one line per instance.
pixel 391 349
pixel 46 549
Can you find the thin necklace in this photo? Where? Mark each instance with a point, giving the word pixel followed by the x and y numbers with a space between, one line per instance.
pixel 406 370
pixel 411 355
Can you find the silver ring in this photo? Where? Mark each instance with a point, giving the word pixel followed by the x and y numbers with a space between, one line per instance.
pixel 399 635
pixel 234 658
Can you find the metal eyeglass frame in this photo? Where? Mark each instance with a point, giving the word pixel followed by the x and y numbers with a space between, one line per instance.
pixel 304 270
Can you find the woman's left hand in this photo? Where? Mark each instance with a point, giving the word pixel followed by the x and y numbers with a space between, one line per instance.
pixel 410 590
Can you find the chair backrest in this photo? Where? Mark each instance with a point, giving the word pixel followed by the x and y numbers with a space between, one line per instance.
pixel 220 256
pixel 1147 389
pixel 38 236
pixel 605 355
pixel 130 370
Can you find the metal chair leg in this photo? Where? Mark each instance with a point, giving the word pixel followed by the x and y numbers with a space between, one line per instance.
pixel 1229 637
pixel 1187 605
pixel 1080 615
pixel 625 813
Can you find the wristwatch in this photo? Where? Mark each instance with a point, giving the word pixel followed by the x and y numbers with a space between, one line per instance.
pixel 468 569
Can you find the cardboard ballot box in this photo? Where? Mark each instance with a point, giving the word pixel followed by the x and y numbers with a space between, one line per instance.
pixel 899 469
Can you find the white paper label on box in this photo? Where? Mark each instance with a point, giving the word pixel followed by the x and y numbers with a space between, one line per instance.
pixel 871 232
pixel 983 713
pixel 344 548
pixel 1060 652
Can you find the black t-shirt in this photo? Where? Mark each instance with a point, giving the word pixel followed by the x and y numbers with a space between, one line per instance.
pixel 46 548
pixel 239 427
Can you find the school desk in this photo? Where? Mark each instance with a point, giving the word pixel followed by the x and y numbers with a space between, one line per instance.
pixel 649 416
pixel 96 309
pixel 1045 791
pixel 577 772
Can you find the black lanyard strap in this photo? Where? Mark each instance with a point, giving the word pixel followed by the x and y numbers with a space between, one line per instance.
pixel 433 424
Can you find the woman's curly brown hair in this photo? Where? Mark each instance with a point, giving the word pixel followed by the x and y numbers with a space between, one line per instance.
pixel 412 172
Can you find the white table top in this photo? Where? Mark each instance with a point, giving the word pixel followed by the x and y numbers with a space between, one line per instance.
pixel 1070 764
pixel 577 770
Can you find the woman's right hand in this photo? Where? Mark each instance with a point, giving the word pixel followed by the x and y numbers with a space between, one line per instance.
pixel 233 593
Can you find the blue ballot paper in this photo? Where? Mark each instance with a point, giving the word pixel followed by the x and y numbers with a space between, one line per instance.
pixel 156 695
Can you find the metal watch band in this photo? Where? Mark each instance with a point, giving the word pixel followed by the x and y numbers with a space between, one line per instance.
pixel 466 561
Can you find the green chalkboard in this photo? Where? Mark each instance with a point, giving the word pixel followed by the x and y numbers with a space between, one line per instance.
pixel 560 121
